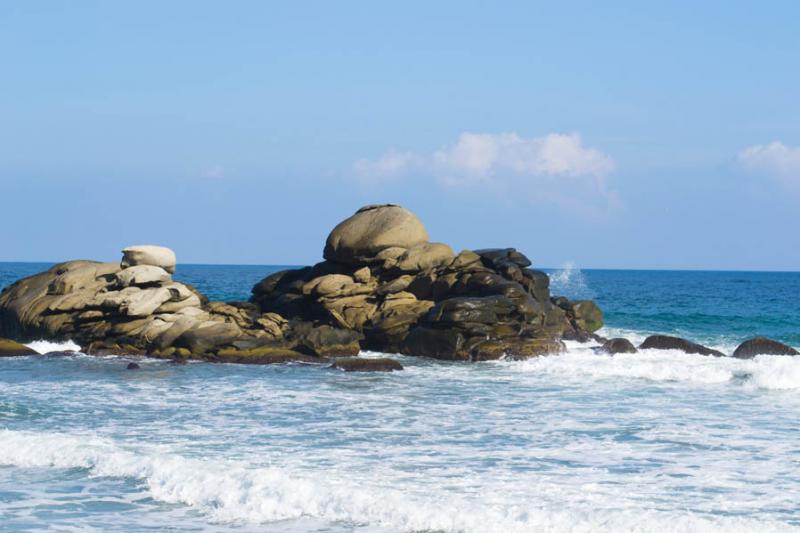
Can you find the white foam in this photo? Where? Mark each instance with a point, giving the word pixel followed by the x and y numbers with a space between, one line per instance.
pixel 237 492
pixel 763 371
pixel 42 346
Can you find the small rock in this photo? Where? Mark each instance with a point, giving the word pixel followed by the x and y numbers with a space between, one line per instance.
pixel 619 345
pixel 60 353
pixel 665 342
pixel 133 366
pixel 361 364
pixel 762 346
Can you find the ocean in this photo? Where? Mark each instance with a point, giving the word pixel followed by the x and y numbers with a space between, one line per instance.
pixel 655 441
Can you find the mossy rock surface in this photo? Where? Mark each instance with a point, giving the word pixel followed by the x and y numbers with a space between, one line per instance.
pixel 364 364
pixel 9 348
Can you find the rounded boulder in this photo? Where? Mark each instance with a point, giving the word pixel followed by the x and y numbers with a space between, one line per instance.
pixel 359 239
pixel 148 254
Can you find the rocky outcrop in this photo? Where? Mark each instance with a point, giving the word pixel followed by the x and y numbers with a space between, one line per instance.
pixel 665 342
pixel 382 286
pixel 10 348
pixel 762 346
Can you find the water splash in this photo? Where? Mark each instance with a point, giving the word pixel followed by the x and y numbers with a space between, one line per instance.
pixel 569 281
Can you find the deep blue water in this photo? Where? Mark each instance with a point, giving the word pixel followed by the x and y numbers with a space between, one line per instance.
pixel 656 441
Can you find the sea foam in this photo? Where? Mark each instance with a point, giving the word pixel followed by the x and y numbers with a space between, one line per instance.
pixel 233 492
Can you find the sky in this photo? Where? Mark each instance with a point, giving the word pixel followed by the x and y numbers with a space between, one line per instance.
pixel 598 134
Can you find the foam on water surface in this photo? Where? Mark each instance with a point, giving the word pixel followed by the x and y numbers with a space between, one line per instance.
pixel 43 346
pixel 656 441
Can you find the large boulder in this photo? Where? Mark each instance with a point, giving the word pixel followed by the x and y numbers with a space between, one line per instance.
pixel 148 254
pixel 666 342
pixel 762 346
pixel 359 239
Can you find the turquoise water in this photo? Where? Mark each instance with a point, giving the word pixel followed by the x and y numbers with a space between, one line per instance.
pixel 655 441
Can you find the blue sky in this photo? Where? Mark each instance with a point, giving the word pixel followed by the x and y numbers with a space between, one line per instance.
pixel 614 134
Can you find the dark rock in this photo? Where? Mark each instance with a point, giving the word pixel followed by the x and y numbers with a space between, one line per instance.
pixel 618 345
pixel 133 366
pixel 447 344
pixel 9 348
pixel 762 346
pixel 327 341
pixel 577 335
pixel 362 364
pixel 492 257
pixel 665 342
pixel 60 353
pixel 587 315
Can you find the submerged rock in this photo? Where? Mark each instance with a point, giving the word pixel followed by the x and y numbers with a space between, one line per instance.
pixel 9 348
pixel 666 342
pixel 364 364
pixel 762 346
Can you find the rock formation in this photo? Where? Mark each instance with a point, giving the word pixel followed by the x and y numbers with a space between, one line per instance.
pixel 382 286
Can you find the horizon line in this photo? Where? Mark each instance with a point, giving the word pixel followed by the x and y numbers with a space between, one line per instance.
pixel 628 269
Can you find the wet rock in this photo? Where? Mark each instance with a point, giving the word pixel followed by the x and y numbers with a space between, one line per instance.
pixel 363 364
pixel 666 342
pixel 9 348
pixel 60 353
pixel 327 341
pixel 762 346
pixel 133 366
pixel 618 345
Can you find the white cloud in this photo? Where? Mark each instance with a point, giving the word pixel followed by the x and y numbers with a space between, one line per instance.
pixel 775 159
pixel 489 156
pixel 388 165
pixel 553 167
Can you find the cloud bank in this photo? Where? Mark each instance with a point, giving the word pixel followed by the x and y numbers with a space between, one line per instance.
pixel 552 167
pixel 775 160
